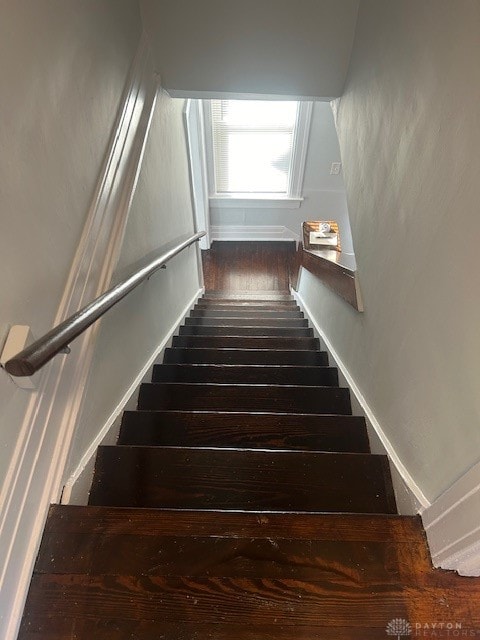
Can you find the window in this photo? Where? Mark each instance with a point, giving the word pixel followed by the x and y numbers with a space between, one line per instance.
pixel 256 151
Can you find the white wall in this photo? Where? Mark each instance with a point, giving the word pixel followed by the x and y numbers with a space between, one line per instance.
pixel 63 71
pixel 63 68
pixel 161 212
pixel 409 134
pixel 324 194
pixel 284 47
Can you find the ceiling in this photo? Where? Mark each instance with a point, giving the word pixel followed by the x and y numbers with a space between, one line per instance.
pixel 216 48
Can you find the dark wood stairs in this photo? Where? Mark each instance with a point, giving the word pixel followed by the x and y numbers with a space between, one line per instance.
pixel 241 503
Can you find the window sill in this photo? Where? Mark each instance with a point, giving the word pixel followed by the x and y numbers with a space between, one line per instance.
pixel 254 202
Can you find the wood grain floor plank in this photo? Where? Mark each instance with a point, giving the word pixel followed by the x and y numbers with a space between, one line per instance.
pixel 261 331
pixel 258 310
pixel 225 342
pixel 337 563
pixel 206 600
pixel 244 397
pixel 252 374
pixel 67 519
pixel 44 628
pixel 246 321
pixel 302 432
pixel 252 480
pixel 189 355
pixel 264 297
pixel 248 266
pixel 270 602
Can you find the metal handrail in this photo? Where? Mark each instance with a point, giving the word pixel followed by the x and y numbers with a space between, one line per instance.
pixel 36 355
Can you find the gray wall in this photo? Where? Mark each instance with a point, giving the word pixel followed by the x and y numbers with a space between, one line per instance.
pixel 161 212
pixel 285 47
pixel 63 67
pixel 409 133
pixel 324 194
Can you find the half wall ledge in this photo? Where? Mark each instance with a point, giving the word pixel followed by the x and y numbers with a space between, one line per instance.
pixel 335 269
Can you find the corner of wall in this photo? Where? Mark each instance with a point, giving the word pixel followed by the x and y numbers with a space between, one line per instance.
pixel 452 526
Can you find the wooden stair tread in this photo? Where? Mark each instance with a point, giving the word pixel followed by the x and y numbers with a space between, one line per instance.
pixel 248 301
pixel 242 479
pixel 247 321
pixel 205 600
pixel 242 314
pixel 66 628
pixel 109 520
pixel 235 331
pixel 247 342
pixel 247 295
pixel 253 309
pixel 392 578
pixel 244 356
pixel 77 542
pixel 264 305
pixel 244 298
pixel 220 557
pixel 248 331
pixel 202 600
pixel 244 397
pixel 307 432
pixel 255 374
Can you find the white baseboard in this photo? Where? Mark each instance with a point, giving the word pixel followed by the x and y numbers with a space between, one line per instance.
pixel 452 525
pixel 410 498
pixel 252 233
pixel 77 487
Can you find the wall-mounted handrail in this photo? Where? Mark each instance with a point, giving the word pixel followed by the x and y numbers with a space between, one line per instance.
pixel 36 355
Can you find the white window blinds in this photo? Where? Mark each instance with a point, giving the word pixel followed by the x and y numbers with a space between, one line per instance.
pixel 252 145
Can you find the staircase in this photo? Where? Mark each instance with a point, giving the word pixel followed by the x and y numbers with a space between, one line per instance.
pixel 241 503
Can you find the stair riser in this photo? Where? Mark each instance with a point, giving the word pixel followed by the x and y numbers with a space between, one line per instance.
pixel 233 305
pixel 247 302
pixel 245 295
pixel 309 376
pixel 261 318
pixel 246 480
pixel 223 397
pixel 278 314
pixel 244 430
pixel 247 321
pixel 288 332
pixel 254 308
pixel 245 356
pixel 302 344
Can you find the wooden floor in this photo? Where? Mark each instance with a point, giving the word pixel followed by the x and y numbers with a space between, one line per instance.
pixel 112 574
pixel 242 501
pixel 248 266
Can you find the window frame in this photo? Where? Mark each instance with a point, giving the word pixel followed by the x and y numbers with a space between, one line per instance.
pixel 293 199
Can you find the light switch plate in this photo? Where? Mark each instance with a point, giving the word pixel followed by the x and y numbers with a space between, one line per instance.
pixel 335 168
